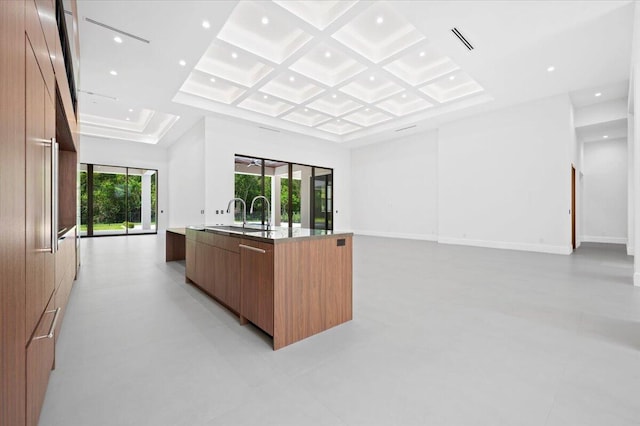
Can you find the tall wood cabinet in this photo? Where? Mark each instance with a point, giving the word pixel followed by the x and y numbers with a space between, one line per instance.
pixel 36 109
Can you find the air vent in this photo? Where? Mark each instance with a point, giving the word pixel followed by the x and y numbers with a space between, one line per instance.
pixel 464 41
pixel 98 94
pixel 406 128
pixel 271 130
pixel 124 33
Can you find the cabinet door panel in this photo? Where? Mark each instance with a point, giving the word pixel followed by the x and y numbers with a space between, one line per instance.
pixel 256 272
pixel 36 238
pixel 227 277
pixel 40 354
pixel 190 259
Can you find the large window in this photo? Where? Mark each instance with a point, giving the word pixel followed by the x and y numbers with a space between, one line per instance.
pixel 117 200
pixel 301 195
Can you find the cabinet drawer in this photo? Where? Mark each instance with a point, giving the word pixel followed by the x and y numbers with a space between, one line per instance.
pixel 192 234
pixel 205 237
pixel 227 243
pixel 40 356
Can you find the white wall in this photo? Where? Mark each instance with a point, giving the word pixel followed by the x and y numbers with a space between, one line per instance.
pixel 224 138
pixel 601 112
pixel 395 187
pixel 187 178
pixel 605 191
pixel 113 152
pixel 504 178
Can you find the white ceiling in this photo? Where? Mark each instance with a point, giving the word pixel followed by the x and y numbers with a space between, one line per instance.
pixel 588 43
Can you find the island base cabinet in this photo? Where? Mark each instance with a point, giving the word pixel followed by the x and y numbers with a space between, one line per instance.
pixel 40 357
pixel 313 288
pixel 226 277
pixel 256 283
pixel 190 260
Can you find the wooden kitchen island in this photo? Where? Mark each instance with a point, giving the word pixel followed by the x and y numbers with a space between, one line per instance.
pixel 290 282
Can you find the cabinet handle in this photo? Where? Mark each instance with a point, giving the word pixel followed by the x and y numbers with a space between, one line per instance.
pixel 54 195
pixel 252 248
pixel 53 325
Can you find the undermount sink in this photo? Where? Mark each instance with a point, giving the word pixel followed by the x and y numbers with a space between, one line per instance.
pixel 236 229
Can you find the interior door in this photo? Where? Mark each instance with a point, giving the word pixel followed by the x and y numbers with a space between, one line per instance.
pixel 573 207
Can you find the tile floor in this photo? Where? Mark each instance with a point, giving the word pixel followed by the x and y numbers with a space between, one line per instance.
pixel 442 335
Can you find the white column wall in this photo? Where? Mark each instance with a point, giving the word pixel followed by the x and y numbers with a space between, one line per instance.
pixel 605 191
pixel 187 183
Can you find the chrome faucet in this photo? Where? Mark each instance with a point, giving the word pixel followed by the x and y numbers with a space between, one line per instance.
pixel 268 209
pixel 244 209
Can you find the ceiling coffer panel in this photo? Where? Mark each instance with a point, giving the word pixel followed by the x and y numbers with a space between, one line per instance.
pixel 332 69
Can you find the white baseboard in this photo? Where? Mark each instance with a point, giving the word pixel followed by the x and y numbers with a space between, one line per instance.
pixel 424 237
pixel 636 279
pixel 607 240
pixel 540 248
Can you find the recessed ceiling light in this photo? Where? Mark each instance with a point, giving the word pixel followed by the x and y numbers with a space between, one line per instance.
pixel 452 77
pixel 551 68
pixel 234 55
pixel 367 109
pixel 372 78
pixel 306 110
pixel 292 79
pixel 334 96
pixel 422 54
pixel 117 39
pixel 128 118
pixel 379 20
pixel 206 24
pixel 130 109
pixel 404 96
pixel 597 95
pixel 265 97
pixel 182 62
pixel 605 137
pixel 212 79
pixel 264 20
pixel 112 72
pixel 327 54
pixel 338 120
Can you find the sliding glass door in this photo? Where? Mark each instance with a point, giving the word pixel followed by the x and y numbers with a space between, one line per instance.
pixel 322 199
pixel 117 200
pixel 300 195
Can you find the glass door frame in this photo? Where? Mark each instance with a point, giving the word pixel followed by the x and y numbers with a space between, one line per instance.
pixel 311 224
pixel 89 188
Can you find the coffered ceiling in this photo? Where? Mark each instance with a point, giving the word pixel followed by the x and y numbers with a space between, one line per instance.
pixel 348 72
pixel 330 69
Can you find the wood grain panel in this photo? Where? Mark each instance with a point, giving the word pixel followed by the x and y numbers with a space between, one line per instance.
pixel 49 134
pixel 312 289
pixel 227 242
pixel 47 14
pixel 226 277
pixel 190 258
pixel 174 246
pixel 39 46
pixel 257 288
pixel 12 213
pixel 67 188
pixel 65 274
pixel 40 356
pixel 36 239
